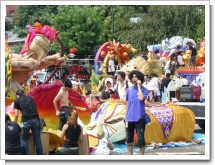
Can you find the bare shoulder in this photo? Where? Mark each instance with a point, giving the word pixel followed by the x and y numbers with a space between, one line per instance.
pixel 61 90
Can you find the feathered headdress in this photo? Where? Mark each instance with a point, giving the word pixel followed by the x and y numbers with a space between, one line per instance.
pixel 47 31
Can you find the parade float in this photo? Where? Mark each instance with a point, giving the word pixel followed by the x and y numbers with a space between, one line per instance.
pixel 112 49
pixel 168 122
pixel 171 46
pixel 192 72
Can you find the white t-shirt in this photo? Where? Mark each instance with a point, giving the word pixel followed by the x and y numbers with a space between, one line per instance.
pixel 180 60
pixel 178 83
pixel 156 86
pixel 122 89
pixel 184 81
pixel 111 66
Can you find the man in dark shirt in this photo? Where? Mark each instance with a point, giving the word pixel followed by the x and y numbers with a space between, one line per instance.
pixel 12 137
pixel 165 82
pixel 30 120
pixel 192 61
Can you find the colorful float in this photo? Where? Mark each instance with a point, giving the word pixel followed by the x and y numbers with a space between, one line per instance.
pixel 192 72
pixel 171 46
pixel 168 123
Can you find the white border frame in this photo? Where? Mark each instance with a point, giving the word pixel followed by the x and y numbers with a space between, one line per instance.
pixel 109 157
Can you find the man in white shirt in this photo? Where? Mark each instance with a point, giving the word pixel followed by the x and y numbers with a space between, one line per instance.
pixel 111 66
pixel 122 85
pixel 178 82
pixel 180 60
pixel 184 81
pixel 156 85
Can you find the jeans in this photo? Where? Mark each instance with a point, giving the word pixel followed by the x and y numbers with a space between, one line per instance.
pixel 64 115
pixel 140 129
pixel 34 125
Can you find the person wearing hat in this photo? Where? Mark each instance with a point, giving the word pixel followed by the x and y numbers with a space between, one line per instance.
pixel 192 61
pixel 30 120
pixel 135 112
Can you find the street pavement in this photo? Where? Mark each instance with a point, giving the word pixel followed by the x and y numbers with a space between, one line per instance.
pixel 198 148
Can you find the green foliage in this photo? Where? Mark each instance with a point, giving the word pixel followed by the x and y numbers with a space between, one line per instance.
pixel 16 49
pixel 200 32
pixel 85 27
pixel 156 23
pixel 29 14
pixel 94 79
pixel 81 28
pixel 8 26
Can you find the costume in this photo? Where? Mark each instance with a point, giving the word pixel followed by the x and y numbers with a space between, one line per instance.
pixel 134 115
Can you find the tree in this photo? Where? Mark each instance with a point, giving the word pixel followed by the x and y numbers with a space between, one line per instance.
pixel 86 27
pixel 29 14
pixel 80 27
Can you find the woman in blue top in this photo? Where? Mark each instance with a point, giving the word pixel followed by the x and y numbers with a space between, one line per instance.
pixel 135 98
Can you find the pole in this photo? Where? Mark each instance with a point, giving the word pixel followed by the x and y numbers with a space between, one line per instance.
pixel 113 22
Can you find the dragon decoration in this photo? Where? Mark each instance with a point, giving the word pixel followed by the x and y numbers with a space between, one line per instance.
pixel 120 52
pixel 34 55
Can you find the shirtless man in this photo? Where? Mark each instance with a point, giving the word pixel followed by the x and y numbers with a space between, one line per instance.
pixel 63 95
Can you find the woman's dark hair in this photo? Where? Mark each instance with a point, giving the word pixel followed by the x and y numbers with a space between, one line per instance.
pixel 68 83
pixel 156 51
pixel 122 74
pixel 168 75
pixel 7 118
pixel 20 92
pixel 154 75
pixel 139 75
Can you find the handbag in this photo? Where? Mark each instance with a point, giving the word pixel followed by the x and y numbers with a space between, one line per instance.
pixel 147 119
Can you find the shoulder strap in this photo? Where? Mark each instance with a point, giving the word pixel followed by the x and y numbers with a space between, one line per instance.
pixel 116 91
pixel 126 82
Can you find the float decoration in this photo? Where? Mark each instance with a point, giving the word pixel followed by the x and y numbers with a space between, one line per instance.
pixel 200 58
pixel 7 68
pixel 193 71
pixel 169 123
pixel 34 57
pixel 72 52
pixel 46 31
